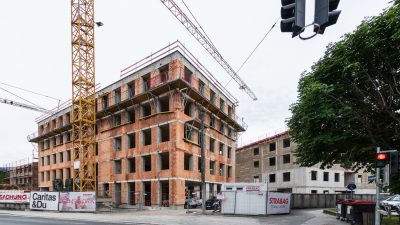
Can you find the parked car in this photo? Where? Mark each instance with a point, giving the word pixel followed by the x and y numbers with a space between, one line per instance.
pixel 393 201
pixel 212 203
pixel 189 201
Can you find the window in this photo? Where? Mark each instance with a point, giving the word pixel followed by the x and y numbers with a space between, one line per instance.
pixel 188 132
pixel 314 191
pixel 187 75
pixel 199 164
pixel 164 133
pixel 221 104
pixel 229 152
pixel 272 146
pixel 188 109
pixel 256 179
pixel 131 140
pixel 117 166
pixel 286 158
pixel 146 137
pixel 286 177
pixel 164 76
pixel 42 161
pixel 53 174
pixel 146 82
pixel 61 157
pixel 131 89
pixel 256 164
pixel 54 141
pixel 212 167
pixel 313 175
pixel 221 169
pixel 42 176
pixel 116 119
pixel 68 137
pixel 164 160
pixel 256 151
pixel 68 155
pixel 130 115
pixel 229 110
pixel 117 143
pixel 60 174
pixel 146 109
pixel 272 161
pixel 326 176
pixel 54 158
pixel 212 144
pixel 212 97
pixel 201 87
pixel 212 121
pixel 48 176
pixel 286 142
pixel 229 171
pixel 222 128
pixel 131 165
pixel 188 162
pixel 104 101
pixel 272 178
pixel 96 149
pixel 221 148
pixel 359 179
pixel 117 95
pixel 146 163
pixel 68 118
pixel 337 177
pixel 163 104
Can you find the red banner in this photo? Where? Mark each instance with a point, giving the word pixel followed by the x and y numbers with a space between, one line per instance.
pixel 14 197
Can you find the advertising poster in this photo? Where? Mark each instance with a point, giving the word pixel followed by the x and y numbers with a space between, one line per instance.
pixel 278 203
pixel 77 201
pixel 44 200
pixel 14 197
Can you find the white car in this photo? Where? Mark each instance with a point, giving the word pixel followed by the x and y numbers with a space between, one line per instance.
pixel 393 201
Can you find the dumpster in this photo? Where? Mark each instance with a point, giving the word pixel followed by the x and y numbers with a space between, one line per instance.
pixel 359 209
pixel 341 206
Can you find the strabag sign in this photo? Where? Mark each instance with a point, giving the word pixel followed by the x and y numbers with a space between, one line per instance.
pixel 14 197
pixel 44 200
pixel 77 201
pixel 278 203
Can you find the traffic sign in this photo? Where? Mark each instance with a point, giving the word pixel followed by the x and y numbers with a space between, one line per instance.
pixel 371 179
pixel 351 187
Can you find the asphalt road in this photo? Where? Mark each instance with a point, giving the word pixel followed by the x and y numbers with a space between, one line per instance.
pixel 18 220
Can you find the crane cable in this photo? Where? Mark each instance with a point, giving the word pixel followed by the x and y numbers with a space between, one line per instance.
pixel 30 91
pixel 22 98
pixel 252 52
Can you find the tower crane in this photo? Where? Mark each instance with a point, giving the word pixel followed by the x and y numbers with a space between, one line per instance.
pixel 26 106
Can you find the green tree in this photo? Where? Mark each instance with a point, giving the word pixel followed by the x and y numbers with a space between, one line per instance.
pixel 349 103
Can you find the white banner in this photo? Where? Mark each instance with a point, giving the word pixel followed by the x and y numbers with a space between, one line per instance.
pixel 44 200
pixel 278 203
pixel 77 201
pixel 16 197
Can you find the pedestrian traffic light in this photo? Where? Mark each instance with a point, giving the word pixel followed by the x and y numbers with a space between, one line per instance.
pixel 381 159
pixel 394 162
pixel 293 13
pixel 325 14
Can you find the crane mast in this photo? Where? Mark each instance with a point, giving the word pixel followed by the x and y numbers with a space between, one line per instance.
pixel 83 95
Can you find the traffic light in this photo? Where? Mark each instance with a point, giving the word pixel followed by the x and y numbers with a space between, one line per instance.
pixel 381 159
pixel 325 14
pixel 394 162
pixel 293 13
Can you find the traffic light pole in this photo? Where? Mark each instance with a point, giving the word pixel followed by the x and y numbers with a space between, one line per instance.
pixel 378 192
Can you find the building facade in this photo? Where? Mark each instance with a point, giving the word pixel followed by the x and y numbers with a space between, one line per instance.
pixel 271 160
pixel 24 176
pixel 148 140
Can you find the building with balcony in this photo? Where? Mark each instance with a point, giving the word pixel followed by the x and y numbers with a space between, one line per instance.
pixel 271 160
pixel 147 133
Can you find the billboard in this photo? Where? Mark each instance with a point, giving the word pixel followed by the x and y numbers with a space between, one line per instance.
pixel 278 203
pixel 77 201
pixel 44 200
pixel 14 197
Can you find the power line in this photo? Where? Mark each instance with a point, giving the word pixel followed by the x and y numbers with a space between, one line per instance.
pixel 252 52
pixel 29 91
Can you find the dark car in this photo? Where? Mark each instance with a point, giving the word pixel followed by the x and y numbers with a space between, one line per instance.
pixel 211 203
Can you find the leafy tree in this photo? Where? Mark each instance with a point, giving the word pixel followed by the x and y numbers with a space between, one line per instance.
pixel 349 103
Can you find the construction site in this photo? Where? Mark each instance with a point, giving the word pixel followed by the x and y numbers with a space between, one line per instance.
pixel 148 133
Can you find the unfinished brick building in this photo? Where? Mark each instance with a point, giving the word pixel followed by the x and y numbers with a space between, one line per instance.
pixel 24 175
pixel 147 133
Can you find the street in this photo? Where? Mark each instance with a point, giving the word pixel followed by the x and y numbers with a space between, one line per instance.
pixel 164 217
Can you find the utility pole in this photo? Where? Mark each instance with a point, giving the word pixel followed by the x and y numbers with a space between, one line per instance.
pixel 203 163
pixel 378 191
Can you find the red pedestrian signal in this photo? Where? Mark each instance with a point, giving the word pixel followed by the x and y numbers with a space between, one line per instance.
pixel 381 156
pixel 381 159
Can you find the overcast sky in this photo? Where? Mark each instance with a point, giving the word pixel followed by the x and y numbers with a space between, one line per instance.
pixel 35 54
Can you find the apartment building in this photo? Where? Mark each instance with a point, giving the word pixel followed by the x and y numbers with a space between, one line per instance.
pixel 271 160
pixel 147 133
pixel 24 176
